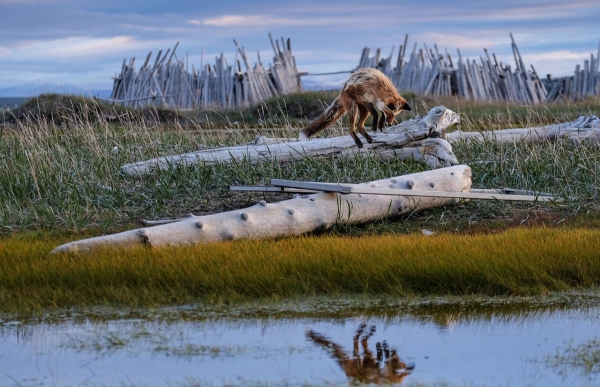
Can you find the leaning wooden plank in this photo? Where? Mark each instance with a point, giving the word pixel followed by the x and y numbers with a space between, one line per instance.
pixel 284 189
pixel 296 216
pixel 315 186
pixel 404 187
pixel 433 124
pixel 457 195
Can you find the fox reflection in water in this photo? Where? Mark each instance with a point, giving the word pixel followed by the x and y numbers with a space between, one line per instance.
pixel 385 368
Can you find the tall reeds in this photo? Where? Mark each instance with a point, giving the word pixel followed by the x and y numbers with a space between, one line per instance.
pixel 67 176
pixel 517 262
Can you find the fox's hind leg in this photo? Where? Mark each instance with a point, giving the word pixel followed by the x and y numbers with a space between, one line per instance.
pixel 352 113
pixel 363 114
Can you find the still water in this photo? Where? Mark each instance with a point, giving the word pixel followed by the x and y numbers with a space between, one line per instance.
pixel 549 341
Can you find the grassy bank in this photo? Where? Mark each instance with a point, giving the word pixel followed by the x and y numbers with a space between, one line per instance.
pixel 63 179
pixel 517 262
pixel 66 176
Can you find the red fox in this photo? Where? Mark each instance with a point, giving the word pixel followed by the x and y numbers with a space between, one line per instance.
pixel 365 368
pixel 366 91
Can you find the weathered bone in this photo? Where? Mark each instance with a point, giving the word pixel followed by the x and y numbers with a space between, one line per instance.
pixel 433 152
pixel 296 216
pixel 432 125
pixel 584 130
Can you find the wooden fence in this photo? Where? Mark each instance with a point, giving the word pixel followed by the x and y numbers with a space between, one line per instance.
pixel 428 72
pixel 169 83
pixel 584 83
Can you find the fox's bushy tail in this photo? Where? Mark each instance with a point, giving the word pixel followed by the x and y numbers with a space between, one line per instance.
pixel 329 116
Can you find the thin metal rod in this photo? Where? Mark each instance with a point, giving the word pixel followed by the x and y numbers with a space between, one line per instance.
pixel 264 188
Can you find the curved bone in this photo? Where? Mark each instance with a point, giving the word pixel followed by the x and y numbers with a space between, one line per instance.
pixel 296 216
pixel 432 125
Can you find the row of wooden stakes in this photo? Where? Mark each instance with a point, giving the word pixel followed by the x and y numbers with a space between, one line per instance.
pixel 584 83
pixel 168 82
pixel 428 72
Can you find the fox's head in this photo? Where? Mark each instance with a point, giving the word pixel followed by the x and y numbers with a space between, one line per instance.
pixel 396 105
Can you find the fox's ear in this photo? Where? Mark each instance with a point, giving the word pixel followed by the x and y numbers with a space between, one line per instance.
pixel 406 107
pixel 391 106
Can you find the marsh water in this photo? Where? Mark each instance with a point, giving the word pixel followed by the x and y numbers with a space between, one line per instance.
pixel 548 341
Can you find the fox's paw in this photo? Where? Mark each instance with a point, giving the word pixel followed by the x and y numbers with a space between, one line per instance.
pixel 358 142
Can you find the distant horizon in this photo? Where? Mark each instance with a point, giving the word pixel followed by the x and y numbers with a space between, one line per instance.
pixel 81 43
pixel 33 89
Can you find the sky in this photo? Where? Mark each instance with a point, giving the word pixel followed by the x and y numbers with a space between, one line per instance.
pixel 83 43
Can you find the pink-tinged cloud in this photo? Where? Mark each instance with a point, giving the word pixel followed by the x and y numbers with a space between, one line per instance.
pixel 74 47
pixel 262 21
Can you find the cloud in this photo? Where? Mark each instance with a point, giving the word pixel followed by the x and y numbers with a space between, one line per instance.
pixel 543 11
pixel 46 38
pixel 263 21
pixel 175 30
pixel 457 41
pixel 75 47
pixel 577 57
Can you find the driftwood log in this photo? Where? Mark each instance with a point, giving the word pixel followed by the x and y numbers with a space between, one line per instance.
pixel 419 139
pixel 296 216
pixel 584 130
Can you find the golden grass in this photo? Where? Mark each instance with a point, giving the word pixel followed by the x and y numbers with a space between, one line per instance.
pixel 518 261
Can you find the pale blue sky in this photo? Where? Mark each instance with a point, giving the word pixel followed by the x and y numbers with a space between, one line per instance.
pixel 85 42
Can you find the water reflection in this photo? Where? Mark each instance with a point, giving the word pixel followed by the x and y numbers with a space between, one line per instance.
pixel 456 342
pixel 364 368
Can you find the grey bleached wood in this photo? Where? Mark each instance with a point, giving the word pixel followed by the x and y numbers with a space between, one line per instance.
pixel 474 193
pixel 585 129
pixel 433 125
pixel 219 85
pixel 429 73
pixel 407 190
pixel 432 152
pixel 296 216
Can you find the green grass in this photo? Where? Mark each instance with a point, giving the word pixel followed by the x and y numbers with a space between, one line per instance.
pixel 484 116
pixel 292 109
pixel 63 178
pixel 66 176
pixel 520 261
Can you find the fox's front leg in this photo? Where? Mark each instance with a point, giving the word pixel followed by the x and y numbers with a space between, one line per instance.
pixel 375 114
pixel 388 115
pixel 378 121
pixel 382 120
